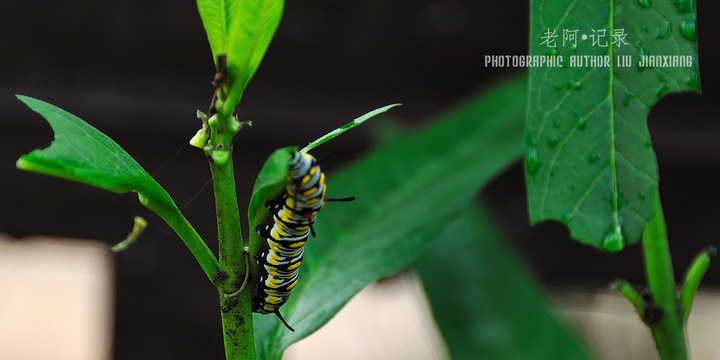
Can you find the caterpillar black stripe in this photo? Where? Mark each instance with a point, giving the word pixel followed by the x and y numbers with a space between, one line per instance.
pixel 292 218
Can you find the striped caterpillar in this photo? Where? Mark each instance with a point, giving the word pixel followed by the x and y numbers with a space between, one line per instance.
pixel 292 218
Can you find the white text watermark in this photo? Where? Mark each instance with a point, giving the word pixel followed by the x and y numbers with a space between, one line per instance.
pixel 588 61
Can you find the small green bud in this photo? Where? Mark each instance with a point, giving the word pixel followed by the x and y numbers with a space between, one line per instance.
pixel 201 137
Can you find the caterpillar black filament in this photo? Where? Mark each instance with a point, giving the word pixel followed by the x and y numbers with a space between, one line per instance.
pixel 292 218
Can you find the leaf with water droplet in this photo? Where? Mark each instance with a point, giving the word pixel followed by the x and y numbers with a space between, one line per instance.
pixel 581 122
pixel 604 148
pixel 613 242
pixel 687 28
pixel 574 84
pixel 551 140
pixel 627 99
pixel 663 89
pixel 684 6
pixel 532 162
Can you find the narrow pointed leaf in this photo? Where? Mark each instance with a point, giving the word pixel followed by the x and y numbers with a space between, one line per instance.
pixel 696 271
pixel 483 300
pixel 358 121
pixel 589 160
pixel 405 193
pixel 251 28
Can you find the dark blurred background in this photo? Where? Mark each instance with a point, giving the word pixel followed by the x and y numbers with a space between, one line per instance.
pixel 138 70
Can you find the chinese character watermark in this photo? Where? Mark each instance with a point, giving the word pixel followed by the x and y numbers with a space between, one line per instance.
pixel 549 38
pixel 618 37
pixel 570 36
pixel 598 38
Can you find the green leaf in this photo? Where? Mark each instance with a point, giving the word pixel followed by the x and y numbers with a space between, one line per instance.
pixel 589 162
pixel 269 185
pixel 357 121
pixel 252 26
pixel 483 300
pixel 406 192
pixel 695 272
pixel 82 153
pixel 216 15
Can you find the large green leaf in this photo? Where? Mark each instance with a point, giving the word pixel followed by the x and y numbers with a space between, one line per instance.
pixel 484 302
pixel 589 162
pixel 406 192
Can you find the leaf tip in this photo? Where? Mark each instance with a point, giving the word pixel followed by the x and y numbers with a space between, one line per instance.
pixel 711 251
pixel 23 164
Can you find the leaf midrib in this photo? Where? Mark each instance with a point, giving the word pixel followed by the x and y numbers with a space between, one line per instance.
pixel 611 98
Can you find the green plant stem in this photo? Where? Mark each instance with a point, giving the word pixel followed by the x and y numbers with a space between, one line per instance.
pixel 670 332
pixel 230 247
pixel 236 310
pixel 174 218
pixel 632 295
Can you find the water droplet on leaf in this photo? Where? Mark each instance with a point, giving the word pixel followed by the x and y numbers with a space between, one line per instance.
pixel 566 216
pixel 614 241
pixel 645 3
pixel 683 6
pixel 628 96
pixel 558 86
pixel 594 157
pixel 532 161
pixel 551 140
pixel 581 122
pixel 574 84
pixel 660 33
pixel 687 28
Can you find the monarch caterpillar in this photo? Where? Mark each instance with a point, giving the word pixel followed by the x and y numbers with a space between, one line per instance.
pixel 292 218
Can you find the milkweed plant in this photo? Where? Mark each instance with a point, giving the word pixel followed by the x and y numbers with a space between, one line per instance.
pixel 589 163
